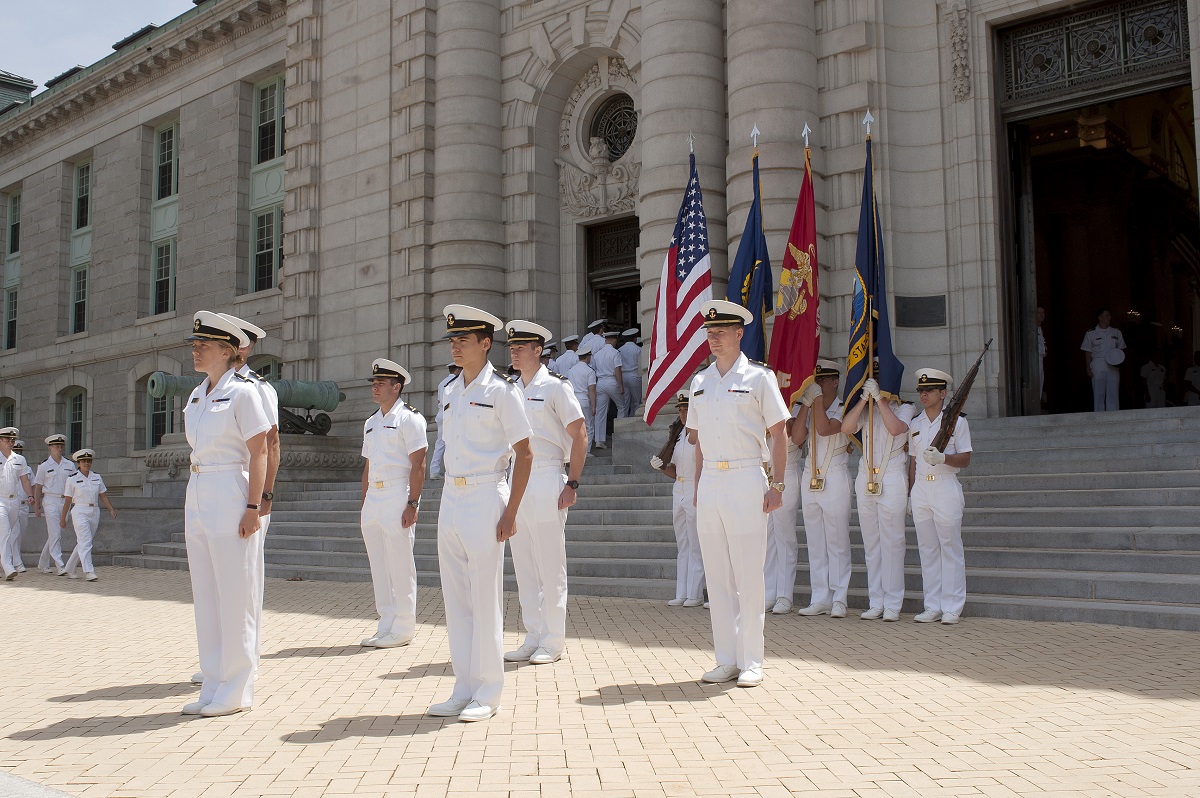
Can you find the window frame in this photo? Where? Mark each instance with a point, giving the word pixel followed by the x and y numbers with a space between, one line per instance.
pixel 160 162
pixel 70 397
pixel 76 324
pixel 277 112
pixel 12 241
pixel 276 249
pixel 168 411
pixel 82 193
pixel 8 411
pixel 173 254
pixel 10 319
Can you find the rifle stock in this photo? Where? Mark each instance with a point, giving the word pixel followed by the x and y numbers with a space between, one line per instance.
pixel 953 410
pixel 668 449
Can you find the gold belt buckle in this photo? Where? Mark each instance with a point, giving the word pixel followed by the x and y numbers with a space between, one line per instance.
pixel 874 488
pixel 930 477
pixel 379 484
pixel 723 465
pixel 460 482
pixel 195 468
pixel 816 483
pixel 679 479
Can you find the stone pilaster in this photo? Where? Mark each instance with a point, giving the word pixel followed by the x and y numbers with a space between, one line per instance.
pixel 771 50
pixel 683 91
pixel 300 279
pixel 468 228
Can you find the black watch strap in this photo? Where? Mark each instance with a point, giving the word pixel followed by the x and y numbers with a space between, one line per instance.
pixel 269 495
pixel 573 484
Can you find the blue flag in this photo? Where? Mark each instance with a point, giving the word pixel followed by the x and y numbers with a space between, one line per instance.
pixel 751 283
pixel 869 312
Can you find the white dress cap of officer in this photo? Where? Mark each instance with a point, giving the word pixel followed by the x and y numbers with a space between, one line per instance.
pixel 584 349
pixel 631 332
pixel 381 367
pixel 209 326
pixel 464 319
pixel 19 447
pixel 520 331
pixel 828 368
pixel 83 454
pixel 722 313
pixel 932 378
pixel 597 323
pixel 253 332
pixel 56 438
pixel 10 432
pixel 569 339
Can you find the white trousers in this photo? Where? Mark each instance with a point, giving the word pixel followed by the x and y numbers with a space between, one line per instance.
pixel 52 551
pixel 539 555
pixel 1106 384
pixel 226 590
pixel 471 563
pixel 390 552
pixel 589 420
pixel 633 392
pixel 606 391
pixel 733 540
pixel 689 564
pixel 437 463
pixel 260 580
pixel 85 520
pixel 827 532
pixel 10 527
pixel 881 519
pixel 783 547
pixel 937 508
pixel 15 541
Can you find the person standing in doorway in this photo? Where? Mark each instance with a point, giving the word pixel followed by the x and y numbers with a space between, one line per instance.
pixel 1104 350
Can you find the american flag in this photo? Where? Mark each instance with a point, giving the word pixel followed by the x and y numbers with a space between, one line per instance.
pixel 679 344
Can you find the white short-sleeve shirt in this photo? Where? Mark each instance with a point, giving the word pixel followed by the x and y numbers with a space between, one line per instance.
pixel 1100 342
pixel 565 362
pixel 85 491
pixel 389 440
pixel 581 376
pixel 630 354
pixel 483 421
pixel 550 406
pixel 10 476
pixel 831 449
pixel 882 454
pixel 218 423
pixel 266 393
pixel 53 476
pixel 921 433
pixel 606 361
pixel 731 413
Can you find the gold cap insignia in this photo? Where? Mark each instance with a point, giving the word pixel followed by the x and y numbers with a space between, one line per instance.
pixel 375 368
pixel 712 313
pixel 450 319
pixel 196 326
pixel 512 330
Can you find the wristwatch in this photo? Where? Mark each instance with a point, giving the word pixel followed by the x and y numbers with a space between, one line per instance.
pixel 251 506
pixel 414 503
pixel 269 495
pixel 777 486
pixel 573 484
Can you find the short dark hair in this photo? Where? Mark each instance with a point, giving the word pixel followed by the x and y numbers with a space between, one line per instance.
pixel 1102 311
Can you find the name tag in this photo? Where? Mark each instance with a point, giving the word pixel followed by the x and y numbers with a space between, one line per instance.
pixel 533 399
pixel 739 390
pixel 698 393
pixel 218 401
pixel 385 426
pixel 369 430
pixel 195 399
pixel 481 404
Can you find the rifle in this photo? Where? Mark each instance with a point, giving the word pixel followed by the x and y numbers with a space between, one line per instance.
pixel 668 449
pixel 953 410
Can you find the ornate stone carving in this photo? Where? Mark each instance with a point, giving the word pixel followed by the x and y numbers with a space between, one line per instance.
pixel 603 190
pixel 590 80
pixel 618 71
pixel 960 54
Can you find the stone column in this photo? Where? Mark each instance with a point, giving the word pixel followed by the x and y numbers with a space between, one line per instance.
pixel 468 227
pixel 772 84
pixel 683 91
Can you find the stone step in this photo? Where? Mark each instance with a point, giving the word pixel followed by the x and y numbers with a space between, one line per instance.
pixel 1188 416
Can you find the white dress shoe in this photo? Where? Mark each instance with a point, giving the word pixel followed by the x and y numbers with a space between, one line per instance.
pixel 448 709
pixel 72 575
pixel 198 677
pixel 721 673
pixel 815 609
pixel 20 569
pixel 477 711
pixel 949 620
pixel 695 603
pixel 392 641
pixel 544 656
pixel 601 445
pixel 872 614
pixel 838 610
pixel 11 575
pixel 708 605
pixel 782 607
pixel 90 577
pixel 61 572
pixel 369 642
pixel 46 570
pixel 217 710
pixel 929 616
pixel 676 602
pixel 891 615
pixel 193 708
pixel 751 677
pixel 521 654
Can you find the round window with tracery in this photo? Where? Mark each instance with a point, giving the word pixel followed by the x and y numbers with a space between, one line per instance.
pixel 616 122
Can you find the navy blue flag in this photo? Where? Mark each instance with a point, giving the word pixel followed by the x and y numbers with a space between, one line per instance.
pixel 869 312
pixel 751 283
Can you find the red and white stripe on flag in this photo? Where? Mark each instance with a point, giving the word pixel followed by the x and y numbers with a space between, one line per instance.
pixel 679 344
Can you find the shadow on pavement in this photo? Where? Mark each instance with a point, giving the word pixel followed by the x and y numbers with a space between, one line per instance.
pixel 670 692
pixel 105 726
pixel 131 692
pixel 369 726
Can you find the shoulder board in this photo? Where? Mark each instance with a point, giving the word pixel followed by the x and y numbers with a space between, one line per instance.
pixel 410 407
pixel 760 364
pixel 255 375
pixel 510 377
pixel 556 374
pixel 962 415
pixel 240 377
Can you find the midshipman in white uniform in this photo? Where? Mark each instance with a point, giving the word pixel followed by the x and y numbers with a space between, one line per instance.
pixel 783 547
pixel 49 484
pixel 85 493
pixel 13 479
pixel 689 564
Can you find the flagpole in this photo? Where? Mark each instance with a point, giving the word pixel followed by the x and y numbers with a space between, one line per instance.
pixel 872 472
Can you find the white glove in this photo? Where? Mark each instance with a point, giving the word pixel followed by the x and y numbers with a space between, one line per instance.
pixel 656 463
pixel 871 389
pixel 933 456
pixel 810 395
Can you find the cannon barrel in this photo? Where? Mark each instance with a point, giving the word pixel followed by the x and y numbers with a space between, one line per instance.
pixel 323 395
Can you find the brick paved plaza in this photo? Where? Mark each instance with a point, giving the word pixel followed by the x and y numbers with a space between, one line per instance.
pixel 92 678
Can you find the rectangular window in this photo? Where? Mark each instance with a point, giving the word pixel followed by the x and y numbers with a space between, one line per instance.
pixel 10 318
pixel 160 421
pixel 8 413
pixel 14 224
pixel 83 195
pixel 268 121
pixel 79 297
pixel 75 415
pixel 166 163
pixel 164 276
pixel 268 247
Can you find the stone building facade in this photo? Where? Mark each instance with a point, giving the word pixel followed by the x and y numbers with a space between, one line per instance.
pixel 339 170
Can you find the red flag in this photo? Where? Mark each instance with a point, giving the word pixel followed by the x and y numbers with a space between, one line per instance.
pixel 796 338
pixel 679 343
